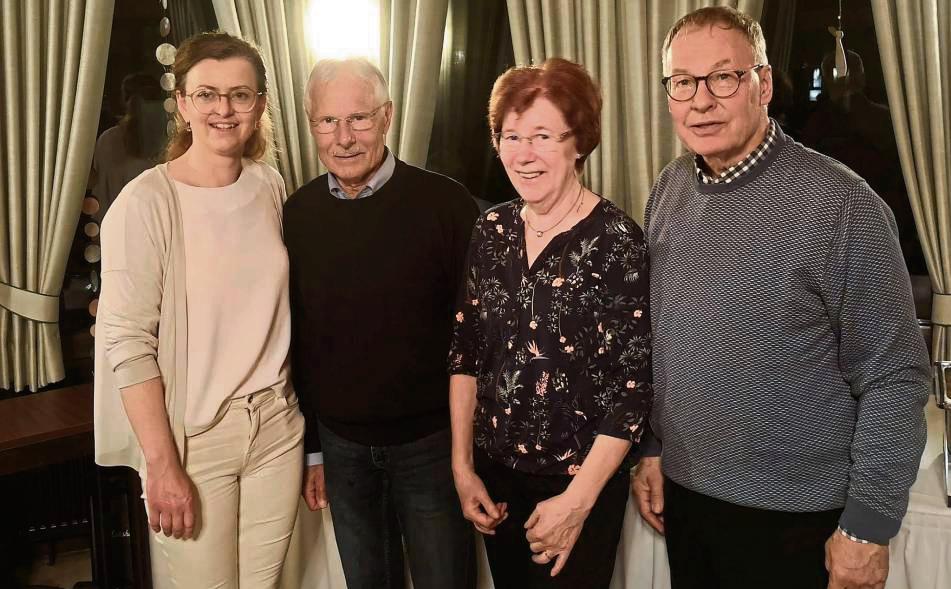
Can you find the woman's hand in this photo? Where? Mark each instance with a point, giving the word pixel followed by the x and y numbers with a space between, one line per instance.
pixel 170 499
pixel 554 527
pixel 477 506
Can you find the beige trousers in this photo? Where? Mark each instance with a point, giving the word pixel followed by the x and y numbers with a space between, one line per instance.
pixel 247 469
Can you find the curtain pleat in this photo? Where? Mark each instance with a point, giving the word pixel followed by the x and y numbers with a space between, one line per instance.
pixel 779 34
pixel 411 54
pixel 278 30
pixel 52 84
pixel 188 18
pixel 914 42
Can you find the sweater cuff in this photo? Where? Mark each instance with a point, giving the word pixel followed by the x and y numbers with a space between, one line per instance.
pixel 132 372
pixel 311 437
pixel 651 446
pixel 867 524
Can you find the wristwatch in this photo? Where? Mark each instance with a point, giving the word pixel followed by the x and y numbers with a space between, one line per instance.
pixel 852 536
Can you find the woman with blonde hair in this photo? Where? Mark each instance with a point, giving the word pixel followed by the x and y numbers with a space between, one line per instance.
pixel 192 377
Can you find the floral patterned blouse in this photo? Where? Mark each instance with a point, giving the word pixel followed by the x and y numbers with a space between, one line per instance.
pixel 561 350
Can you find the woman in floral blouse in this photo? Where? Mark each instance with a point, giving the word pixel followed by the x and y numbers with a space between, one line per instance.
pixel 550 359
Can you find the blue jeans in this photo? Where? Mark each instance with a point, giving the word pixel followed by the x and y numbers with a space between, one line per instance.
pixel 382 494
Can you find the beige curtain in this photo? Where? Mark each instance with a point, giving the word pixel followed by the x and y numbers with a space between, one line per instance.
pixel 914 39
pixel 410 57
pixel 188 18
pixel 778 31
pixel 278 29
pixel 619 41
pixel 54 56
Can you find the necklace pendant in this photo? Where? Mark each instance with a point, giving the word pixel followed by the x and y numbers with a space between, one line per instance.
pixel 539 233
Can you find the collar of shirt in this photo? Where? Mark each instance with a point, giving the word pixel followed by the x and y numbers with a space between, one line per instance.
pixel 741 168
pixel 379 178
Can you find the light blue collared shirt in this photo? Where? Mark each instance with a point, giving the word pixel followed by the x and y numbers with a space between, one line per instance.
pixel 379 178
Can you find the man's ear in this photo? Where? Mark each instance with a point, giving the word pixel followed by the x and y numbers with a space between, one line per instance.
pixel 387 116
pixel 765 85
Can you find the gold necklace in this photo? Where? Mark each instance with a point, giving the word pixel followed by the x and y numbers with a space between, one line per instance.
pixel 541 232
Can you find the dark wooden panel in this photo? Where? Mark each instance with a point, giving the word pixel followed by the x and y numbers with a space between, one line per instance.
pixel 46 453
pixel 47 417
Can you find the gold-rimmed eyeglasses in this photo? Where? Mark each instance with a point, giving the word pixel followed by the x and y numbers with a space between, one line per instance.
pixel 539 141
pixel 720 83
pixel 358 121
pixel 242 99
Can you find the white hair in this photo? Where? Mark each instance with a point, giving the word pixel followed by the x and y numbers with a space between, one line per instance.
pixel 326 70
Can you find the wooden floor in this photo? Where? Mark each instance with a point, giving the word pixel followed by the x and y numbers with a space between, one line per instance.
pixel 70 568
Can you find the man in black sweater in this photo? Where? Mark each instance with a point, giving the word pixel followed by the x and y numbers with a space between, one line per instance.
pixel 377 249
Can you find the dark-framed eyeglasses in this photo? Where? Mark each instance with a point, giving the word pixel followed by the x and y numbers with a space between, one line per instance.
pixel 720 83
pixel 358 121
pixel 539 141
pixel 242 99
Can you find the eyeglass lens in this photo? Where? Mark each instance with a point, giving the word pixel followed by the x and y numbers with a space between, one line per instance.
pixel 241 100
pixel 721 84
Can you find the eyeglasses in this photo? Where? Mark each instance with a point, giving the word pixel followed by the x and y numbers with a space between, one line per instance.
pixel 358 121
pixel 206 100
pixel 721 83
pixel 509 142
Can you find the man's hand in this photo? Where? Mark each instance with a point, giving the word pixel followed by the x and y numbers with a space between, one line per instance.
pixel 477 506
pixel 648 489
pixel 170 499
pixel 853 565
pixel 315 489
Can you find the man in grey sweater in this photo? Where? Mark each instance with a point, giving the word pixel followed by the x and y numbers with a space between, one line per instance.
pixel 789 373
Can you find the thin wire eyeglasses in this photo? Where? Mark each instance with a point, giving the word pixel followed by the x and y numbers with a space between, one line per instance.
pixel 358 121
pixel 540 141
pixel 720 83
pixel 206 100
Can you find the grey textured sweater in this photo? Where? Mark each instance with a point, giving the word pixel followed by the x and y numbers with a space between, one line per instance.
pixel 789 371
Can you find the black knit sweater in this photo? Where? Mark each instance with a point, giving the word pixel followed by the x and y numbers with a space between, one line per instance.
pixel 373 282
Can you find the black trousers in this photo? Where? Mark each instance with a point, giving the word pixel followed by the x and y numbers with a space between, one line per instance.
pixel 713 544
pixel 591 563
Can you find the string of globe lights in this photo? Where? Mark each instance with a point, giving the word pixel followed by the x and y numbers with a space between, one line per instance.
pixel 92 253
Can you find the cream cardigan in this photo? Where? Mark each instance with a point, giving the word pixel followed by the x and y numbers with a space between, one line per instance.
pixel 141 322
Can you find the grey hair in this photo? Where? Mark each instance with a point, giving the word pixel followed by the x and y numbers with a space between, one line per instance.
pixel 326 70
pixel 724 17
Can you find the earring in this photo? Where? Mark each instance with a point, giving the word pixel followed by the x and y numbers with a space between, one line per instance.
pixel 578 156
pixel 188 127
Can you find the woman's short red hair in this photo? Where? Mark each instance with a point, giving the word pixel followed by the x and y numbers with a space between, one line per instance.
pixel 566 84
